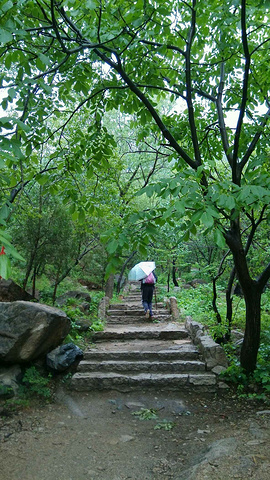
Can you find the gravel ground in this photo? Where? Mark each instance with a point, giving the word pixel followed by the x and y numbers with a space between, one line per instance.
pixel 99 435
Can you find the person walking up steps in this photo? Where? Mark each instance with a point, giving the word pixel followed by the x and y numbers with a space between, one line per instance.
pixel 147 288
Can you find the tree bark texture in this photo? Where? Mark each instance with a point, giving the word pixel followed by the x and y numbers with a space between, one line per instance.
pixel 252 294
pixel 251 344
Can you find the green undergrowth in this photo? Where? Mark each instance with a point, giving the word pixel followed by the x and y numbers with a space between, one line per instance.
pixel 197 303
pixel 257 385
pixel 35 385
pixel 152 414
pixel 71 308
pixel 34 382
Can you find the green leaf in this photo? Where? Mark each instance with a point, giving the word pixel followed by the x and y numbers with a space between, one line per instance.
pixel 196 216
pixel 180 207
pixel 7 6
pixel 11 251
pixel 12 93
pixel 4 211
pixel 219 238
pixel 142 250
pixel 207 219
pixel 44 59
pixel 22 125
pixel 81 216
pixel 185 237
pixel 42 178
pixel 112 246
pixel 5 268
pixel 91 4
pixel 5 36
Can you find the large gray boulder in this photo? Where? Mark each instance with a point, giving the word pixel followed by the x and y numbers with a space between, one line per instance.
pixel 30 330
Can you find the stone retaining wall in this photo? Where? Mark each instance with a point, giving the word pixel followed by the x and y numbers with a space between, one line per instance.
pixel 212 353
pixel 102 308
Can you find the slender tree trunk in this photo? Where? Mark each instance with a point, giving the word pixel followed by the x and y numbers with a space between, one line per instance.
pixel 251 344
pixel 174 274
pixel 34 282
pixel 118 288
pixel 28 271
pixel 109 286
pixel 214 301
pixel 229 300
pixel 168 282
pixel 55 286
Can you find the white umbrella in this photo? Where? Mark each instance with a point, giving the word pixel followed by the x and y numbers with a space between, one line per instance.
pixel 141 270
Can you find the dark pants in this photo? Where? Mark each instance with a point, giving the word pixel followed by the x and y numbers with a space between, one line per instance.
pixel 147 297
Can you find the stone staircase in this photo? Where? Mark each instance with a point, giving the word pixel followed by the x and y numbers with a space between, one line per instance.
pixel 133 353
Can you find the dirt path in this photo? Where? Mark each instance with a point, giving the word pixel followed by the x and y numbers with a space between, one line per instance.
pixel 97 436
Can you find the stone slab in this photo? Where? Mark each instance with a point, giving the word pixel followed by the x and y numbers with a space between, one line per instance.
pixel 157 365
pixel 107 381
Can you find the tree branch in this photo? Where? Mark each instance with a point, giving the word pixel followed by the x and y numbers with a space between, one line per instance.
pixel 191 116
pixel 135 89
pixel 221 121
pixel 255 140
pixel 235 171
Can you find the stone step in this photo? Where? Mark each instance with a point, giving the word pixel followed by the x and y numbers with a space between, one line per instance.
pixel 133 306
pixel 133 353
pixel 112 319
pixel 134 312
pixel 122 366
pixel 82 381
pixel 167 331
pixel 143 350
pixel 132 298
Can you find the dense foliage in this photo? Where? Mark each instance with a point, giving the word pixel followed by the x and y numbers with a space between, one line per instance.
pixel 191 78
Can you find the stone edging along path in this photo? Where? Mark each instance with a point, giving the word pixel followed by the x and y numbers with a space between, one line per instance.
pixel 212 353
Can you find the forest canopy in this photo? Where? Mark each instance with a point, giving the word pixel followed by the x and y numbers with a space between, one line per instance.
pixel 191 79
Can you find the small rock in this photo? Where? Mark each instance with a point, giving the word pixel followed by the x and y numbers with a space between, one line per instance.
pixel 126 438
pixel 256 431
pixel 134 405
pixel 218 369
pixel 255 442
pixel 223 385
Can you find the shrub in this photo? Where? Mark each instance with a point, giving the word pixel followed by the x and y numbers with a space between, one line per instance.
pixel 35 383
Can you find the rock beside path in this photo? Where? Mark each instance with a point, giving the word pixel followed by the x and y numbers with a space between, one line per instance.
pixel 30 330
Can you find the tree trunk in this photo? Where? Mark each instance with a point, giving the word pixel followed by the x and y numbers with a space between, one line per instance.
pixel 252 291
pixel 174 274
pixel 214 301
pixel 229 301
pixel 34 282
pixel 251 344
pixel 28 271
pixel 55 288
pixel 118 288
pixel 168 282
pixel 109 286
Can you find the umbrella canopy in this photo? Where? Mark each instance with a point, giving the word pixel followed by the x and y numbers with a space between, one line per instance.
pixel 141 270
